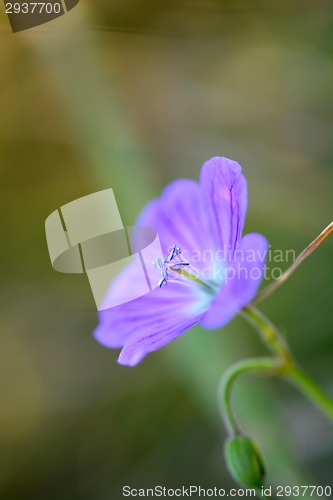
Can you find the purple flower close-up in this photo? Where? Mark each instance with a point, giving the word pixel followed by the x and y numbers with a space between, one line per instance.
pixel 221 269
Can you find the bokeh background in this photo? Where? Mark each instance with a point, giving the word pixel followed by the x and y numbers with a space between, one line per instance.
pixel 131 95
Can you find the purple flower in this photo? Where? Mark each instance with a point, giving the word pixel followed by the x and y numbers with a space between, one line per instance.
pixel 216 274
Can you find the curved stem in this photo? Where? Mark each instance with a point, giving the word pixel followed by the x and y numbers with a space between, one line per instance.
pixel 269 366
pixel 288 368
pixel 281 365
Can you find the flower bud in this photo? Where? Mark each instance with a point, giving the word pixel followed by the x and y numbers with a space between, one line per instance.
pixel 244 462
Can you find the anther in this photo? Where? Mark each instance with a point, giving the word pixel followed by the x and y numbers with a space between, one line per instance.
pixel 175 251
pixel 163 265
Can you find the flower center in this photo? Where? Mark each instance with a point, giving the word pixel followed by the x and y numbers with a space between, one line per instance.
pixel 166 265
pixel 174 264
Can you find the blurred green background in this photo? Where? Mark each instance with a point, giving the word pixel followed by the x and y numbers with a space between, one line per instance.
pixel 131 95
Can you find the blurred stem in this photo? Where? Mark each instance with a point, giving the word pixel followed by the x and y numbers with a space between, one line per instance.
pixel 311 390
pixel 281 365
pixel 268 333
pixel 268 366
pixel 302 256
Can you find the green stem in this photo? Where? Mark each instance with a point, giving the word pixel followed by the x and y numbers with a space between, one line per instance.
pixel 288 368
pixel 269 333
pixel 269 366
pixel 282 365
pixel 311 390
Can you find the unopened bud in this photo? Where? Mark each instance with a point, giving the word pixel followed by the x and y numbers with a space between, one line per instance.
pixel 245 462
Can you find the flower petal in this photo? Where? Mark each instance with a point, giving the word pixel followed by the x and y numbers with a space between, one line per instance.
pixel 242 281
pixel 180 218
pixel 120 291
pixel 225 191
pixel 151 321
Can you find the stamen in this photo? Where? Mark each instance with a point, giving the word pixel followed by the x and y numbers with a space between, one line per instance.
pixel 176 250
pixel 180 265
pixel 162 282
pixel 163 265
